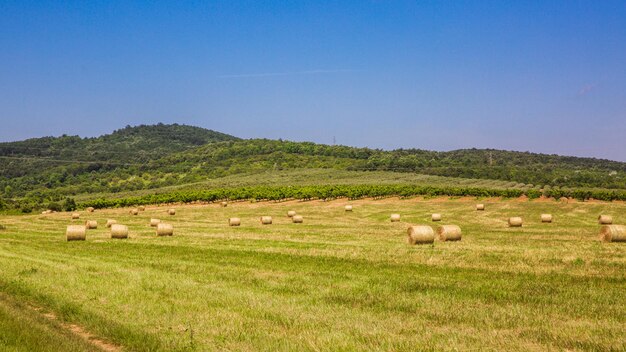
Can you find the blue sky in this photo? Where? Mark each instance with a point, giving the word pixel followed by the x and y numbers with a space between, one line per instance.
pixel 542 76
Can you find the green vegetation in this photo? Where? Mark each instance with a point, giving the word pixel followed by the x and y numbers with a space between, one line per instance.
pixel 22 329
pixel 334 192
pixel 340 281
pixel 39 173
pixel 312 177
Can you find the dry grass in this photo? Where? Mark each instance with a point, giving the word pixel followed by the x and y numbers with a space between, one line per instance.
pixel 339 281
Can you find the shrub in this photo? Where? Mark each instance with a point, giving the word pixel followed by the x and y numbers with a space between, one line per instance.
pixel 54 206
pixel 69 204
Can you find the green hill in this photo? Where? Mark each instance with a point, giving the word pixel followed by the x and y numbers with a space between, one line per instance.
pixel 128 145
pixel 41 170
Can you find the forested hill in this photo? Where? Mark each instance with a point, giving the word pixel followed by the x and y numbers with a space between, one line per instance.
pixel 530 168
pixel 129 145
pixel 147 157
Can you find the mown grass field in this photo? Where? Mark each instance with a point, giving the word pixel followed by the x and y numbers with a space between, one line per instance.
pixel 340 281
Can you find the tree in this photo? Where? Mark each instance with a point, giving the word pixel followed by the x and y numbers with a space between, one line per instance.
pixel 54 206
pixel 69 204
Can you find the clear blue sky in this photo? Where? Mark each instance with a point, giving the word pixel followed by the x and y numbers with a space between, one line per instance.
pixel 542 76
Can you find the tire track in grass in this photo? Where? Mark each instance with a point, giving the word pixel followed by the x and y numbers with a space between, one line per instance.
pixel 51 321
pixel 78 331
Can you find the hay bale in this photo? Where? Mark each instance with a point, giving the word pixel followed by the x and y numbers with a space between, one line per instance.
pixel 546 218
pixel 515 221
pixel 91 209
pixel 76 233
pixel 91 224
pixel 224 204
pixel 234 222
pixel 613 233
pixel 119 231
pixel 605 220
pixel 348 207
pixel 436 217
pixel 291 213
pixel 164 229
pixel 154 222
pixel 75 216
pixel 141 208
pixel 297 219
pixel 134 211
pixel 266 220
pixel 421 234
pixel 480 207
pixel 111 222
pixel 171 211
pixel 449 233
pixel 394 217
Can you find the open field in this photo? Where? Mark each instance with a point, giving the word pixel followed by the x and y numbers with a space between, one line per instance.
pixel 339 281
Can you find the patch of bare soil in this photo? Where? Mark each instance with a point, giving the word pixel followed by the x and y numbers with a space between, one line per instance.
pixel 522 198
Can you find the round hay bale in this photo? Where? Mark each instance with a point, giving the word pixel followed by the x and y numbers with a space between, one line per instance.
pixel 234 222
pixel 297 219
pixel 111 222
pixel 291 213
pixel 119 231
pixel 348 207
pixel 91 209
pixel 75 216
pixel 515 221
pixel 421 234
pixel 164 229
pixel 613 233
pixel 141 208
pixel 134 211
pixel 154 222
pixel 605 220
pixel 480 207
pixel 91 224
pixel 449 233
pixel 266 220
pixel 436 217
pixel 171 211
pixel 394 217
pixel 76 233
pixel 546 218
pixel 224 204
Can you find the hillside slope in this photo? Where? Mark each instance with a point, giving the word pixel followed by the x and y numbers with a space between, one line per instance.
pixel 524 167
pixel 148 157
pixel 128 145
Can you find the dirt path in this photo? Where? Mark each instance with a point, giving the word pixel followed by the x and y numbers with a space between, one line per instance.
pixel 78 330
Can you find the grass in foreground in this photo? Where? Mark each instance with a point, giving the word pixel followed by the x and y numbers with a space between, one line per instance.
pixel 23 329
pixel 340 281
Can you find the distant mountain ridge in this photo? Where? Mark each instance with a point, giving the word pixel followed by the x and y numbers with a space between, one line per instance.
pixel 152 156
